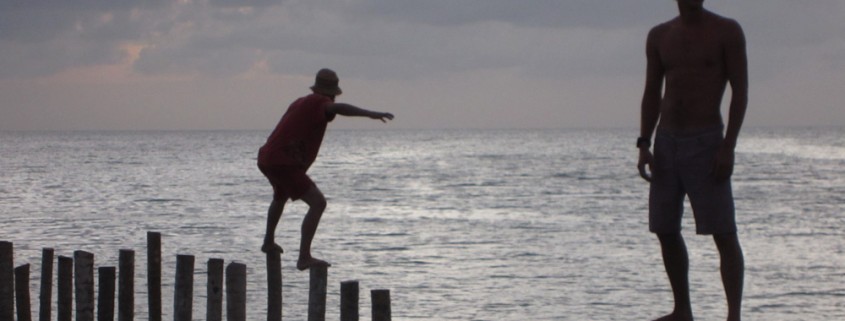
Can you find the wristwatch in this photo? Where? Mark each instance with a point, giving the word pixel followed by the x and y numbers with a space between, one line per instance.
pixel 643 142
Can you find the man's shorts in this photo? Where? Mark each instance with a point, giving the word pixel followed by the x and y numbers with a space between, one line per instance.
pixel 683 165
pixel 288 182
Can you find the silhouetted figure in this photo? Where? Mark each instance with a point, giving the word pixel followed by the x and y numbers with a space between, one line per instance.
pixel 292 148
pixel 697 54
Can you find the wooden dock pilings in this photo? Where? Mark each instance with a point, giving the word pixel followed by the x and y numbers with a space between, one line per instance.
pixel 75 280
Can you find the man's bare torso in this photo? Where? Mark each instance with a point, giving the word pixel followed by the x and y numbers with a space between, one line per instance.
pixel 692 57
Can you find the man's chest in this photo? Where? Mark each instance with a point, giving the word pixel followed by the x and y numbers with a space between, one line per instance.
pixel 691 51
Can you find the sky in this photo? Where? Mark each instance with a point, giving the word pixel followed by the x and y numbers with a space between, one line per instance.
pixel 237 64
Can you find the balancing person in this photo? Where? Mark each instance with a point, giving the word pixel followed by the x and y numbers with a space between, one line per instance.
pixel 291 149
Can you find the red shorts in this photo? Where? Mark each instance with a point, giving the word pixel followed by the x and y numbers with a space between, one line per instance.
pixel 288 182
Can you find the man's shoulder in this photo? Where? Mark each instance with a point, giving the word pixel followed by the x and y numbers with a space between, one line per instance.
pixel 725 22
pixel 313 99
pixel 666 24
pixel 661 28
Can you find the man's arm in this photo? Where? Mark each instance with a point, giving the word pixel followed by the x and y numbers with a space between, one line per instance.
pixel 650 109
pixel 736 63
pixel 350 110
pixel 737 71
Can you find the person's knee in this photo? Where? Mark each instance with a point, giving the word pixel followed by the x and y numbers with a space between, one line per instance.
pixel 726 240
pixel 670 237
pixel 315 199
pixel 319 203
pixel 728 245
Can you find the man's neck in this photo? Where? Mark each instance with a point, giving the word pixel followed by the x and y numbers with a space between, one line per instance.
pixel 691 15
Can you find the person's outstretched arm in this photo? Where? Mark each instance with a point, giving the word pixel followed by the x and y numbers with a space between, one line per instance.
pixel 349 110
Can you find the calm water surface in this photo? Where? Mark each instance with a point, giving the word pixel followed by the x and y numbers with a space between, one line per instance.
pixel 459 225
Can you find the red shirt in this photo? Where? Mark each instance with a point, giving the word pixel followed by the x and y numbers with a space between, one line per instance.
pixel 299 134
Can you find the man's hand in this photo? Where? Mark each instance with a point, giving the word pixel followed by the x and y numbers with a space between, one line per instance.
pixel 646 159
pixel 724 164
pixel 384 117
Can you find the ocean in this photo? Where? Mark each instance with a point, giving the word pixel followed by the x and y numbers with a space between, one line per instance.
pixel 458 224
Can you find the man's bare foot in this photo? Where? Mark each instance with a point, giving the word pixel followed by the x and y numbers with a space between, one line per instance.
pixel 304 264
pixel 271 247
pixel 675 317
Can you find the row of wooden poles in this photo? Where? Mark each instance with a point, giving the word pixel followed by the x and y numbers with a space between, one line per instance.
pixel 76 278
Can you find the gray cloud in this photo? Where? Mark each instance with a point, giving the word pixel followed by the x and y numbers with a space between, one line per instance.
pixel 579 49
pixel 245 3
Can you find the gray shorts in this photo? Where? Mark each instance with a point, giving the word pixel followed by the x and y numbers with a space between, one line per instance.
pixel 683 166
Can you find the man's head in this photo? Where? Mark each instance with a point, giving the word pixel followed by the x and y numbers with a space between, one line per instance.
pixel 326 83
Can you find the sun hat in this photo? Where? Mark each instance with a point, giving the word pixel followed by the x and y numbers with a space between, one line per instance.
pixel 326 83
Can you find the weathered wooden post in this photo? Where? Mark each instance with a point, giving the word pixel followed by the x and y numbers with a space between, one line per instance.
pixel 126 286
pixel 274 286
pixel 105 294
pixel 236 292
pixel 154 275
pixel 214 305
pixel 46 296
pixel 7 281
pixel 22 291
pixel 381 305
pixel 349 301
pixel 83 263
pixel 65 289
pixel 317 294
pixel 183 296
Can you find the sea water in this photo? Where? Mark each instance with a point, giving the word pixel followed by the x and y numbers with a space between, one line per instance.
pixel 458 224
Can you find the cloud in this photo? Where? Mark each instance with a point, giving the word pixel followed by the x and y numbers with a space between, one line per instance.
pixel 536 13
pixel 591 45
pixel 245 3
pixel 393 38
pixel 44 37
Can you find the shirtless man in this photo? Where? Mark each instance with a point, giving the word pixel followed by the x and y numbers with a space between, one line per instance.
pixel 698 54
pixel 289 152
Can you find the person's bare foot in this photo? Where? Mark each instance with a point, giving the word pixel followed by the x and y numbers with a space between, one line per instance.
pixel 306 263
pixel 675 317
pixel 271 247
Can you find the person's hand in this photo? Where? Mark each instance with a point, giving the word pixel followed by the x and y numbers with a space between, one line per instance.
pixel 724 164
pixel 384 117
pixel 646 159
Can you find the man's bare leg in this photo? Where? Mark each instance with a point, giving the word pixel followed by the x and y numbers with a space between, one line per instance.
pixel 676 262
pixel 733 271
pixel 316 205
pixel 274 214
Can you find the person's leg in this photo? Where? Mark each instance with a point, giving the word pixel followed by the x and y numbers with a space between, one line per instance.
pixel 274 214
pixel 676 261
pixel 316 205
pixel 733 271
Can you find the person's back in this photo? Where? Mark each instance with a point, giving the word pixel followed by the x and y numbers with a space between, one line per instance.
pixel 297 138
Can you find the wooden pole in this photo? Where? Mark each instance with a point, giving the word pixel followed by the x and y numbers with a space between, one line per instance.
pixel 105 297
pixel 126 286
pixel 381 305
pixel 83 264
pixel 65 289
pixel 46 297
pixel 7 281
pixel 274 286
pixel 236 292
pixel 349 301
pixel 154 275
pixel 317 294
pixel 22 291
pixel 214 306
pixel 184 295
